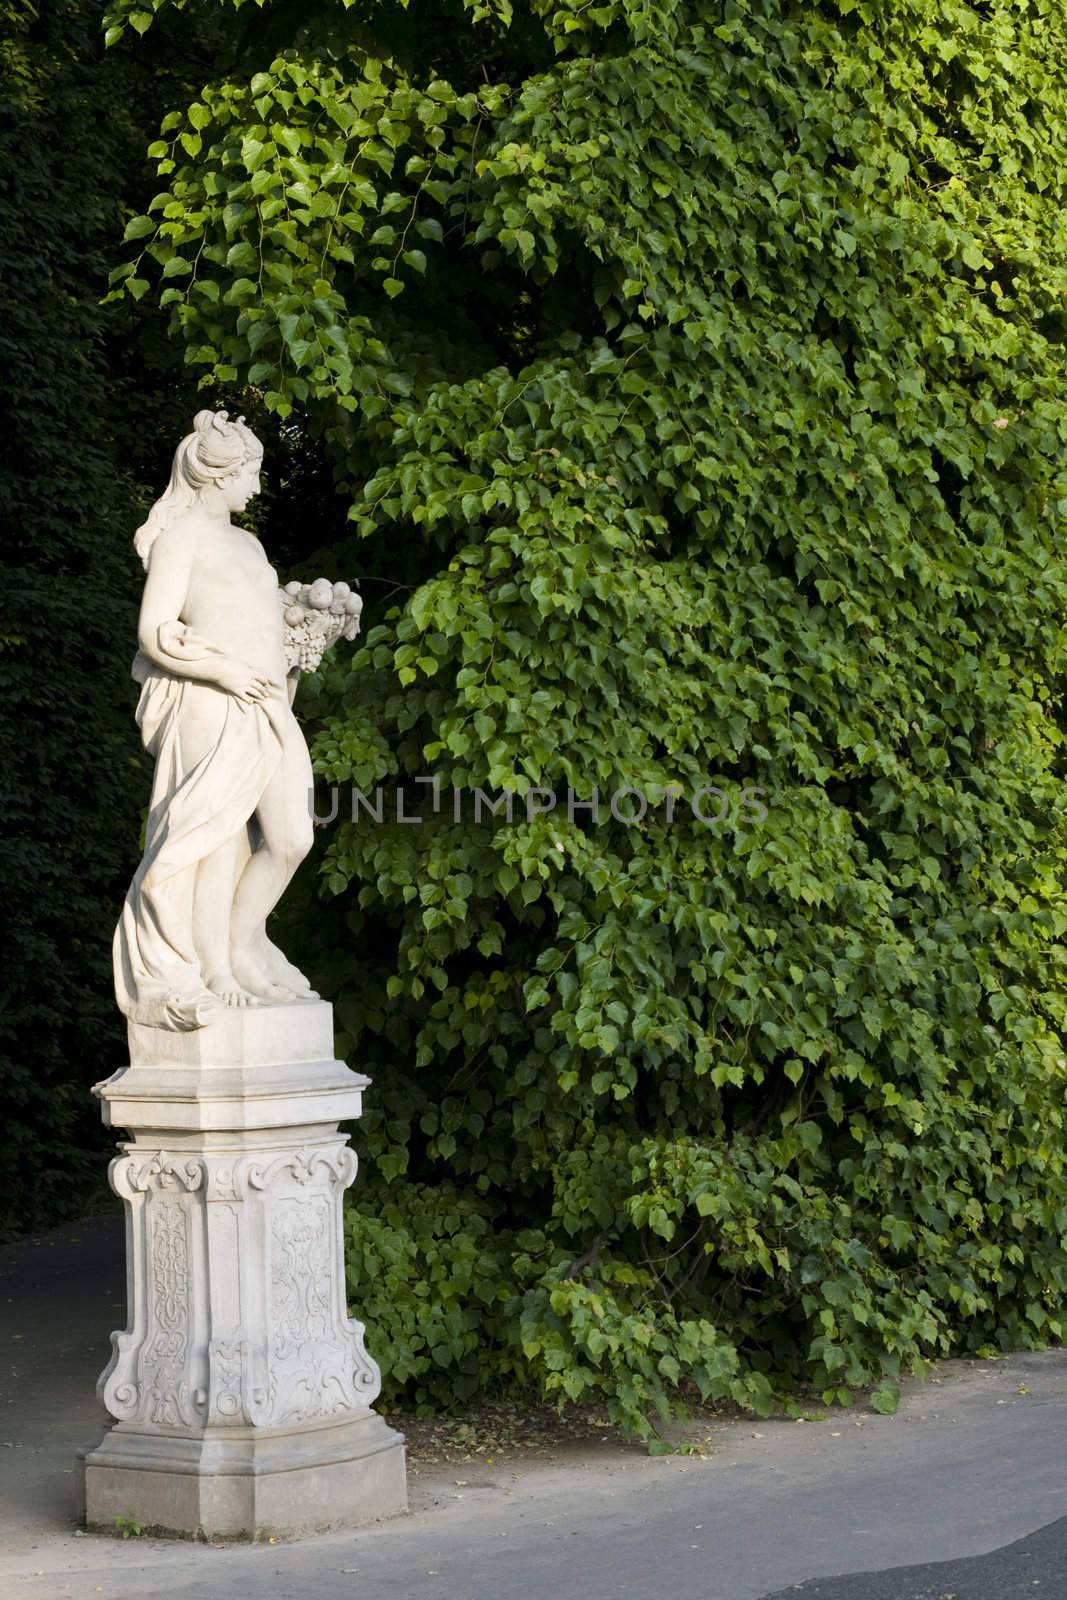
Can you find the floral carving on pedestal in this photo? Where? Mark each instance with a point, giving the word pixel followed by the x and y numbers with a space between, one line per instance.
pixel 300 1358
pixel 164 1361
pixel 300 1305
pixel 300 1276
pixel 337 1166
pixel 166 1171
pixel 226 1357
pixel 318 1365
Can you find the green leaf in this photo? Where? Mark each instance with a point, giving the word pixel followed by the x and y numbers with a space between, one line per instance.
pixel 886 1399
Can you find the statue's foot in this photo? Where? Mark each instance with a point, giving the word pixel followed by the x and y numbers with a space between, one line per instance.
pixel 251 976
pixel 281 971
pixel 229 991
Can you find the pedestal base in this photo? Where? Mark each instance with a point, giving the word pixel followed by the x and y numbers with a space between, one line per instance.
pixel 241 1386
pixel 248 1484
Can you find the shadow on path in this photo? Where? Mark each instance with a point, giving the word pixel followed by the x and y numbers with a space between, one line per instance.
pixel 1030 1569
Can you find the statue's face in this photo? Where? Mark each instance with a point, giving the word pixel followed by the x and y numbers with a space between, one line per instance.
pixel 239 487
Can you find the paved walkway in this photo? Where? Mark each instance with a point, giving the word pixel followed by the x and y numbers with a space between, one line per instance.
pixel 1028 1570
pixel 969 1465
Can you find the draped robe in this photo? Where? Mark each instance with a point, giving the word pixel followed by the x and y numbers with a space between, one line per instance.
pixel 198 803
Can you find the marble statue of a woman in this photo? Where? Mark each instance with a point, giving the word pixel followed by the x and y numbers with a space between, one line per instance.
pixel 230 819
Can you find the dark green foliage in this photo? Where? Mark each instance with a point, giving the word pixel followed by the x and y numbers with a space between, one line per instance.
pixel 77 414
pixel 698 369
pixel 68 597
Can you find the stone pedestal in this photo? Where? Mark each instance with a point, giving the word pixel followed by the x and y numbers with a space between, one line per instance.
pixel 242 1389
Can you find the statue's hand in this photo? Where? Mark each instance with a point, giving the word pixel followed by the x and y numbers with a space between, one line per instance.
pixel 240 680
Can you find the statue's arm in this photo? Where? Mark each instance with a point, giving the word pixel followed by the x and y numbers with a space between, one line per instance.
pixel 165 589
pixel 165 640
pixel 159 627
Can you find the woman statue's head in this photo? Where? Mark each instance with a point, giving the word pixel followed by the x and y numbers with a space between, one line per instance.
pixel 218 454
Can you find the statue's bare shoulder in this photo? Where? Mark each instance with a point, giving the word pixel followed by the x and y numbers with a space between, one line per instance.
pixel 256 544
pixel 183 539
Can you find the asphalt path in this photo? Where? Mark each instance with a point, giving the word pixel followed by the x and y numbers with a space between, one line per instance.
pixel 960 1494
pixel 1031 1567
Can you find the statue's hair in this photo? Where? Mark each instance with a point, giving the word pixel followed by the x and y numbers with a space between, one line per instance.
pixel 215 448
